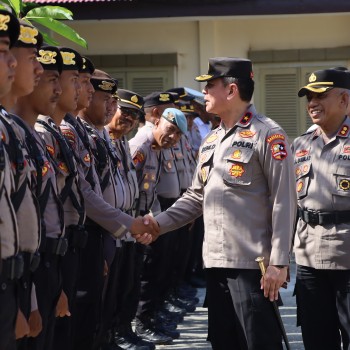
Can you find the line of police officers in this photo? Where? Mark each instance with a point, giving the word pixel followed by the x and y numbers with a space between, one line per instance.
pixel 73 259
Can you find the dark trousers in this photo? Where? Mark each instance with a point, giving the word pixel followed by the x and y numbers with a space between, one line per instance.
pixel 323 301
pixel 239 316
pixel 90 286
pixel 8 313
pixel 64 327
pixel 48 283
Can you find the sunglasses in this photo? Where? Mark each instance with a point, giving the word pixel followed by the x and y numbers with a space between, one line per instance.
pixel 130 112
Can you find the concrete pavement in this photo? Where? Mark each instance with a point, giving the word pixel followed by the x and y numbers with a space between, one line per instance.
pixel 194 327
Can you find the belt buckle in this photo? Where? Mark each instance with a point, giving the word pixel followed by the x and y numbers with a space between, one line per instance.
pixel 312 217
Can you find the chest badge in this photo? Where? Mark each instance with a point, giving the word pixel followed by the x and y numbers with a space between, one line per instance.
pixel 247 134
pixel 300 186
pixel 344 184
pixel 211 138
pixel 236 154
pixel 236 170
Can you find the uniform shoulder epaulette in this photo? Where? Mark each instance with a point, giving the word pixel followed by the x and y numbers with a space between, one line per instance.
pixel 270 123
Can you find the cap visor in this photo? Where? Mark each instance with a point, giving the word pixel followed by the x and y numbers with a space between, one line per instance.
pixel 318 89
pixel 204 77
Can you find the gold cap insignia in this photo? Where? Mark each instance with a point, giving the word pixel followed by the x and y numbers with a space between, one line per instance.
pixel 28 35
pixel 164 97
pixel 134 99
pixel 68 58
pixel 106 85
pixel 4 19
pixel 312 78
pixel 204 77
pixel 47 57
pixel 84 61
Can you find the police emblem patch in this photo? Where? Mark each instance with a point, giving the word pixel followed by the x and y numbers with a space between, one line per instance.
pixel 279 151
pixel 300 186
pixel 301 153
pixel 50 149
pixel 139 158
pixel 87 158
pixel 236 170
pixel 346 149
pixel 236 154
pixel 297 171
pixel 63 167
pixel 45 168
pixel 247 134
pixel 211 138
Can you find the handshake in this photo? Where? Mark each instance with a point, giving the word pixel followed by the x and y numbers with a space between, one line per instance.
pixel 145 229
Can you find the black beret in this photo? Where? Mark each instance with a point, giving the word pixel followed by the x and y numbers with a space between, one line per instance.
pixel 50 58
pixel 72 59
pixel 29 36
pixel 9 26
pixel 88 66
pixel 323 80
pixel 158 98
pixel 104 84
pixel 228 67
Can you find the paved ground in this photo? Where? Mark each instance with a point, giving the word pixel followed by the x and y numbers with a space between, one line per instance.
pixel 194 328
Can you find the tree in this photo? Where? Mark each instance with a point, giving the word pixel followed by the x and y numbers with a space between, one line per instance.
pixel 50 17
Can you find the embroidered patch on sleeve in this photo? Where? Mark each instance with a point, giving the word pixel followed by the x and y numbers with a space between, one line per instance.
pixel 278 150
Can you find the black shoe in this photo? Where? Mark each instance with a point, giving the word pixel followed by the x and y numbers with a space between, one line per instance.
pixel 183 304
pixel 173 308
pixel 126 343
pixel 152 335
pixel 130 334
pixel 172 315
pixel 174 334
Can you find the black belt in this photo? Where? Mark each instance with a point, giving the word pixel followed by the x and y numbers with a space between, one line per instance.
pixel 77 236
pixel 56 246
pixel 324 217
pixel 12 267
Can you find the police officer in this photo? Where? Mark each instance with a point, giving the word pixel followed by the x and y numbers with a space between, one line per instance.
pixel 8 226
pixel 129 109
pixel 42 100
pixel 322 241
pixel 244 185
pixel 28 71
pixel 148 160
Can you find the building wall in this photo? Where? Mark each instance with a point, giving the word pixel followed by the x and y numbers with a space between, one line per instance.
pixel 195 41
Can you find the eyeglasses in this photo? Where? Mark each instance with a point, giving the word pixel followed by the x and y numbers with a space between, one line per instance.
pixel 130 112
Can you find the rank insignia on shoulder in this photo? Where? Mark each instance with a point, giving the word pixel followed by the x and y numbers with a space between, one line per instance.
pixel 236 170
pixel 278 151
pixel 344 184
pixel 275 137
pixel 247 134
pixel 246 119
pixel 344 131
pixel 211 138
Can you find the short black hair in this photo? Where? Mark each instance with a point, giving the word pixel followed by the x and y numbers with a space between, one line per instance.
pixel 245 87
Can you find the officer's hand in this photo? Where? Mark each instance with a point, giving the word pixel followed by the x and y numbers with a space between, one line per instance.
pixel 62 308
pixel 144 230
pixel 273 281
pixel 35 323
pixel 22 327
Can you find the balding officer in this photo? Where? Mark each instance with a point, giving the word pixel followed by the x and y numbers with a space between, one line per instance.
pixel 244 185
pixel 8 226
pixel 322 241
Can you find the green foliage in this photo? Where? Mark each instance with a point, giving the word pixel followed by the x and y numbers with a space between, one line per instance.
pixel 50 17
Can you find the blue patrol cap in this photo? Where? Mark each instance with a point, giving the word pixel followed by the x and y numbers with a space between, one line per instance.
pixel 176 117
